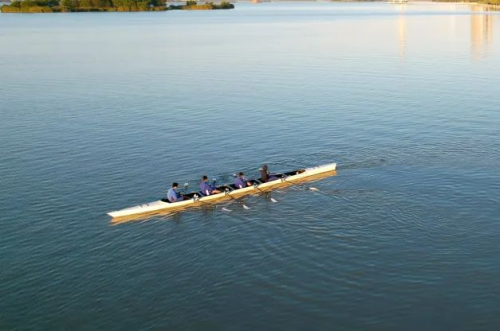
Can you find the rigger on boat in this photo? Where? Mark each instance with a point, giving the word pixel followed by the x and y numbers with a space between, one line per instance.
pixel 194 199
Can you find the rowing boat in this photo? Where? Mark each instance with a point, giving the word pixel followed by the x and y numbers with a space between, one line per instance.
pixel 228 192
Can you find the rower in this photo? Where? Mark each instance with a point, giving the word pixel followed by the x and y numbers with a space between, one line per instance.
pixel 172 194
pixel 241 182
pixel 265 176
pixel 206 188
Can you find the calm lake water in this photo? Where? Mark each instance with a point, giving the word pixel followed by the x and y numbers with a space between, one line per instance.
pixel 103 111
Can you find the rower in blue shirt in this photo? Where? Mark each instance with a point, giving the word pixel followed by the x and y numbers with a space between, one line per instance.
pixel 206 188
pixel 241 182
pixel 172 194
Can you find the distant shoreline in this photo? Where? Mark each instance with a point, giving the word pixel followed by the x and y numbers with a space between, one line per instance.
pixel 85 6
pixel 65 6
pixel 486 3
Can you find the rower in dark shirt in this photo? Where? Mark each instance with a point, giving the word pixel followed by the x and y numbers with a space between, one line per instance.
pixel 265 176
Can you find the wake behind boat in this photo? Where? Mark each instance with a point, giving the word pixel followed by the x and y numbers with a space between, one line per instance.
pixel 194 199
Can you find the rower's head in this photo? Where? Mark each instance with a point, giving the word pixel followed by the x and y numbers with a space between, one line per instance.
pixel 175 185
pixel 264 167
pixel 205 178
pixel 240 174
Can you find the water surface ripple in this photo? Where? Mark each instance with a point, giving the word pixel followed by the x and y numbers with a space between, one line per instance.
pixel 104 111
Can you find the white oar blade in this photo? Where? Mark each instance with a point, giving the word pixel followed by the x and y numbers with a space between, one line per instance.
pixel 313 189
pixel 274 200
pixel 246 207
pixel 226 210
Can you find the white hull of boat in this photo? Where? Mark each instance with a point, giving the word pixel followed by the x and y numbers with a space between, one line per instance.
pixel 160 205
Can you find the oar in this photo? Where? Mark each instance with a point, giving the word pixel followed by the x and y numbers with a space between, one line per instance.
pixel 197 199
pixel 310 188
pixel 244 206
pixel 256 186
pixel 265 193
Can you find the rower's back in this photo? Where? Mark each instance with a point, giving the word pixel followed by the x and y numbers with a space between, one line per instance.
pixel 264 176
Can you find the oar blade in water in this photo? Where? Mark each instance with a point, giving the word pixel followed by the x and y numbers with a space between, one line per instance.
pixel 274 200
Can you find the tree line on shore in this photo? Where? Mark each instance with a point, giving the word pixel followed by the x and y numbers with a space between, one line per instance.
pixel 490 2
pixel 64 6
pixel 482 2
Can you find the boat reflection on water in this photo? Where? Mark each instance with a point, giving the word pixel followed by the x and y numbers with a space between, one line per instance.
pixel 211 207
